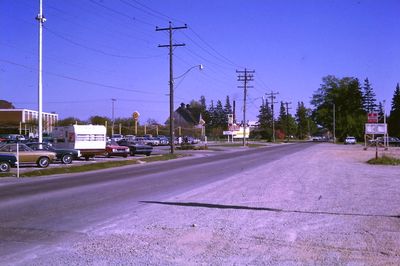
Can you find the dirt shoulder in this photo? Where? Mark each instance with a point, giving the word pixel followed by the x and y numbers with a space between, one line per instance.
pixel 323 205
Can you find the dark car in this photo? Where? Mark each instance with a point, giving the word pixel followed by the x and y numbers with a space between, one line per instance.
pixel 391 141
pixel 7 161
pixel 113 149
pixel 64 155
pixel 136 148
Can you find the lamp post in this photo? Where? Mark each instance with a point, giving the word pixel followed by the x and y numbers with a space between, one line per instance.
pixel 112 116
pixel 40 18
pixel 171 106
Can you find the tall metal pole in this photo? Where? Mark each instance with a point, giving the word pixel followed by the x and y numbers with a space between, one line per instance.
pixel 40 18
pixel 112 114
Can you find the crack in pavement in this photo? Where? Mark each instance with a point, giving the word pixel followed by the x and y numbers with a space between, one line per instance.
pixel 241 207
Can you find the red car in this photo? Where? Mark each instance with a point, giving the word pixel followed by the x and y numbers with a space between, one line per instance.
pixel 113 149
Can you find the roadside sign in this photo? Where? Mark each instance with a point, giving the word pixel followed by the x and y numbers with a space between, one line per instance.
pixel 136 115
pixel 376 128
pixel 373 117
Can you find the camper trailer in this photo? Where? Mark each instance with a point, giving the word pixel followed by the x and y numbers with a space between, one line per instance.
pixel 89 139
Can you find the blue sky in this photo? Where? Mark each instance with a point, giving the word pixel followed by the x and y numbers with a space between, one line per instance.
pixel 96 50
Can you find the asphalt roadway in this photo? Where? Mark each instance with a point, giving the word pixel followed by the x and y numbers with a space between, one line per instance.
pixel 43 211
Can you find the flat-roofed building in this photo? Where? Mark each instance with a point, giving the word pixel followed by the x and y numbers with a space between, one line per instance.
pixel 27 119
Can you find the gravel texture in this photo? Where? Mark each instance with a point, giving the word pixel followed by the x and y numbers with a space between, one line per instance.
pixel 320 206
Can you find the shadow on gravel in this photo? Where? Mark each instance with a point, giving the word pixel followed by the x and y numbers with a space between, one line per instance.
pixel 239 207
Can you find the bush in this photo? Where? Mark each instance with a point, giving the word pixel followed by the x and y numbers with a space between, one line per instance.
pixel 385 160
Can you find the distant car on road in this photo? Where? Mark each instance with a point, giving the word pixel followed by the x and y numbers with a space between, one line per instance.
pixel 7 161
pixel 113 149
pixel 136 148
pixel 27 155
pixel 64 155
pixel 350 140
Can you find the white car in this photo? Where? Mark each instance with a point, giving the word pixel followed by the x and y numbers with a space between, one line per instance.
pixel 350 140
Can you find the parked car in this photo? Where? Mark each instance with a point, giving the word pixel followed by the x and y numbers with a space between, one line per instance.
pixel 7 161
pixel 392 141
pixel 10 138
pixel 151 141
pixel 136 148
pixel 64 155
pixel 163 140
pixel 27 155
pixel 116 137
pixel 113 149
pixel 350 140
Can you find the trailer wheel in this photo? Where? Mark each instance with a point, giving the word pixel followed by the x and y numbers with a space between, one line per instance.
pixel 4 167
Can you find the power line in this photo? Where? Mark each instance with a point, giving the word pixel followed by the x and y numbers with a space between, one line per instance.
pixel 76 79
pixel 98 50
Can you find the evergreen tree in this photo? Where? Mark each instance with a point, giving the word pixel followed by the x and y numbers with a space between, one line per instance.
pixel 369 100
pixel 381 113
pixel 265 120
pixel 228 106
pixel 302 120
pixel 394 118
pixel 221 119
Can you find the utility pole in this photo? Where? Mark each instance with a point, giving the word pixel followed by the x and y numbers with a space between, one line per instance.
pixel 40 18
pixel 245 76
pixel 334 124
pixel 171 80
pixel 112 116
pixel 272 97
pixel 287 119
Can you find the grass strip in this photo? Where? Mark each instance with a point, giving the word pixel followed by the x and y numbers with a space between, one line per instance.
pixel 385 160
pixel 94 166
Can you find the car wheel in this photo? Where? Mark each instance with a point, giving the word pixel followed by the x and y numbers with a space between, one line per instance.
pixel 148 154
pixel 43 162
pixel 107 155
pixel 4 167
pixel 125 155
pixel 66 159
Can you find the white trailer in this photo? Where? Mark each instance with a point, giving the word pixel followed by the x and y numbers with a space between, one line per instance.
pixel 89 139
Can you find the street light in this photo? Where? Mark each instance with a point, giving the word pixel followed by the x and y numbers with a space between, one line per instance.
pixel 171 106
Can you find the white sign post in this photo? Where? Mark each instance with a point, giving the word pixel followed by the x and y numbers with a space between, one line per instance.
pixel 17 159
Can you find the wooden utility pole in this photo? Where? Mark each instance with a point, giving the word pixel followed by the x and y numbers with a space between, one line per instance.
pixel 272 97
pixel 245 76
pixel 171 80
pixel 287 119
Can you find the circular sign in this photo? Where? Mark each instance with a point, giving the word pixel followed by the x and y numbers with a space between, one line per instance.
pixel 136 115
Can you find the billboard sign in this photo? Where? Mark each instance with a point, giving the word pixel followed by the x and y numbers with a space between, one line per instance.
pixel 375 128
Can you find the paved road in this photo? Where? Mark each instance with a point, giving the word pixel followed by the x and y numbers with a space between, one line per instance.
pixel 43 211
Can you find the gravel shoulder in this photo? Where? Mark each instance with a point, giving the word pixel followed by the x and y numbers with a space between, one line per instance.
pixel 323 205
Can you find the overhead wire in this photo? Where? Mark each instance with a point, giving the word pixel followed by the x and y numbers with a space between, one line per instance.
pixel 77 79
